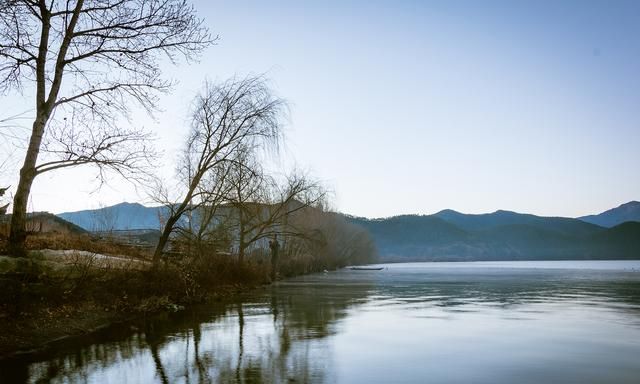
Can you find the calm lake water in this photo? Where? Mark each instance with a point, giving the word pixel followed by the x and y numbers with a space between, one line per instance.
pixel 483 322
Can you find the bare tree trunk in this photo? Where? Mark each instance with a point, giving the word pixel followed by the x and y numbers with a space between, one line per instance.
pixel 274 265
pixel 241 248
pixel 241 244
pixel 164 238
pixel 18 232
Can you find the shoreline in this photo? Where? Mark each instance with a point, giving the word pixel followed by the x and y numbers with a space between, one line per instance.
pixel 35 339
pixel 53 296
pixel 38 332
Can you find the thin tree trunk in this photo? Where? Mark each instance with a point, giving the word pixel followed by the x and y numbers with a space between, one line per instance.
pixel 173 219
pixel 241 244
pixel 164 238
pixel 241 248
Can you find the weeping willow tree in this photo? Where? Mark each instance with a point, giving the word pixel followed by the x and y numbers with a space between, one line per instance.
pixel 229 119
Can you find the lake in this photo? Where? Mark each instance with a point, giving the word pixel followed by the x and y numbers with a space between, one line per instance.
pixel 480 322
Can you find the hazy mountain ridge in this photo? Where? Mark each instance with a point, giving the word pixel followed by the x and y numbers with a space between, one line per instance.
pixel 116 217
pixel 626 212
pixel 501 235
pixel 485 221
pixel 446 235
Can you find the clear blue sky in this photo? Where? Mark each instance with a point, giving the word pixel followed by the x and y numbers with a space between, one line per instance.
pixel 413 107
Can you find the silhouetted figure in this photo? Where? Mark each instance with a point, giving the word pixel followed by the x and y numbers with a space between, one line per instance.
pixel 274 246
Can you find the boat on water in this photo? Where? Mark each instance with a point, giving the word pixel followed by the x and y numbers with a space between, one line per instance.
pixel 366 268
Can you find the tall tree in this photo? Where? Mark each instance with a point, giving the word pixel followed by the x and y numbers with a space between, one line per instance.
pixel 87 60
pixel 229 118
pixel 262 207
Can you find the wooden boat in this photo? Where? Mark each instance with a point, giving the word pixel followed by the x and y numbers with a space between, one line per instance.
pixel 366 268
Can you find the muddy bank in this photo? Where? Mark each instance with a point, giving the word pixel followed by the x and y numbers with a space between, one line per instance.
pixel 54 295
pixel 45 327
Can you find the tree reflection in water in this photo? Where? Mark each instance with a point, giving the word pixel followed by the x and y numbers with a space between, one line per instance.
pixel 284 332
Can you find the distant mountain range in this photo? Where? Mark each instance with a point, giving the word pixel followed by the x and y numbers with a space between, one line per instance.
pixel 626 212
pixel 451 235
pixel 117 217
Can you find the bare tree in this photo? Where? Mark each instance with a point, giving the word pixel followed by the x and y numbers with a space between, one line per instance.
pixel 228 118
pixel 262 207
pixel 246 192
pixel 208 226
pixel 108 54
pixel 331 241
pixel 204 227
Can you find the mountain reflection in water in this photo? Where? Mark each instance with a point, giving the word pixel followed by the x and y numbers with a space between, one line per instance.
pixel 438 322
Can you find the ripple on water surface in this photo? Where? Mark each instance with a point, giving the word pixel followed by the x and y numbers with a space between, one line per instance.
pixel 494 322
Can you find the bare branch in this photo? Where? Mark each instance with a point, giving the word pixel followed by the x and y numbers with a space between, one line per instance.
pixel 108 52
pixel 229 119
